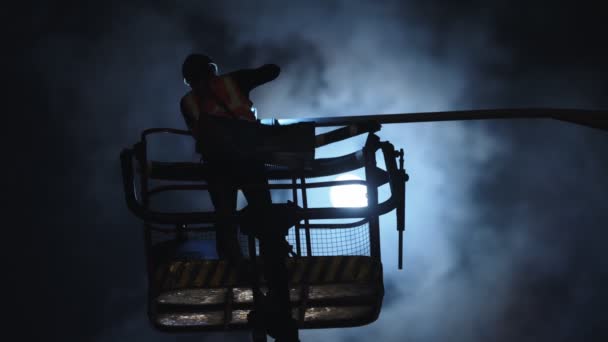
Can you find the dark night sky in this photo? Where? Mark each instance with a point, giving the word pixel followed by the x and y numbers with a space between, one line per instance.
pixel 506 220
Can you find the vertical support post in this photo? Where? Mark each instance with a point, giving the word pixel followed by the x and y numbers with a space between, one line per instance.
pixel 371 145
pixel 279 314
pixel 294 183
pixel 141 155
pixel 306 222
pixel 254 317
pixel 228 307
pixel 270 223
pixel 259 334
pixel 303 285
pixel 402 179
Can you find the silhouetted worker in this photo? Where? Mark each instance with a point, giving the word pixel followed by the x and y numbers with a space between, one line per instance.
pixel 215 98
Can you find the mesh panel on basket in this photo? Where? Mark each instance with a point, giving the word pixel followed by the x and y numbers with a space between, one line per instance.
pixel 335 241
pixel 323 242
pixel 159 237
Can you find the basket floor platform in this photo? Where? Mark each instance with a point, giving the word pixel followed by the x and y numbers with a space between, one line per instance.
pixel 325 291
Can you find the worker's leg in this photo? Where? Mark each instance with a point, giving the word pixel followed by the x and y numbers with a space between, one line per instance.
pixel 223 195
pixel 273 250
pixel 251 182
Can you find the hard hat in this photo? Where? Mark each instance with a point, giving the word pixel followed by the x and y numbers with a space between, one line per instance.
pixel 197 66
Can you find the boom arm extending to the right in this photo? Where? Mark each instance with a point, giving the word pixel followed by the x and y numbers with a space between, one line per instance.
pixel 591 118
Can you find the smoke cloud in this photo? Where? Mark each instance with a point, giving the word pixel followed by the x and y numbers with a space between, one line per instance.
pixel 505 220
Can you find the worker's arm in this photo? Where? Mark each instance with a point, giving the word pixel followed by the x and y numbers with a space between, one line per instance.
pixel 248 79
pixel 189 110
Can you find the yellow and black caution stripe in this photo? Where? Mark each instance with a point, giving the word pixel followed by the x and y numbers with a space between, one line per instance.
pixel 198 274
pixel 333 269
pixel 309 270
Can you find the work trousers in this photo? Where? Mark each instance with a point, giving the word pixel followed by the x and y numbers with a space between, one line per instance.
pixel 225 178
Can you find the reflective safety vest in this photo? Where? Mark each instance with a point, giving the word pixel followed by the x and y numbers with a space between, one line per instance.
pixel 225 100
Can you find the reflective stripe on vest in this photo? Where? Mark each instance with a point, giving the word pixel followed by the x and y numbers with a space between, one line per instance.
pixel 226 92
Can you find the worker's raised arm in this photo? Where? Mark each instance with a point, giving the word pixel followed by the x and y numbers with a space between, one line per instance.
pixel 248 79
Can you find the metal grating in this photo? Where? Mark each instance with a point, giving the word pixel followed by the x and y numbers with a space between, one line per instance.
pixel 198 241
pixel 324 242
pixel 328 242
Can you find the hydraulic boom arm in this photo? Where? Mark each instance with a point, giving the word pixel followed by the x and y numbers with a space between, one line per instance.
pixel 591 118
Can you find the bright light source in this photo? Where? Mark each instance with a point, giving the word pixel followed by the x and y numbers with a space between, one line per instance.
pixel 353 195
